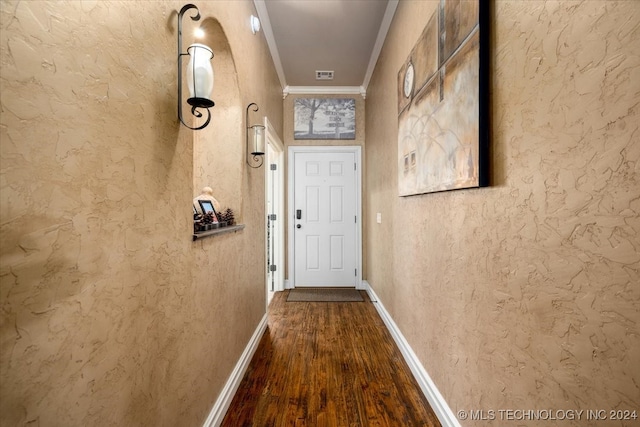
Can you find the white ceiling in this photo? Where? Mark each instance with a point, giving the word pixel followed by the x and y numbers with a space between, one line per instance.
pixel 344 36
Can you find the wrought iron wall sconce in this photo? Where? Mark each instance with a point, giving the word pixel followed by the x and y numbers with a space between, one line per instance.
pixel 255 140
pixel 199 74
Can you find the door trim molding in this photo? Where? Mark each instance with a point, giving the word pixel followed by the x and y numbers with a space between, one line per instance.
pixel 273 139
pixel 293 149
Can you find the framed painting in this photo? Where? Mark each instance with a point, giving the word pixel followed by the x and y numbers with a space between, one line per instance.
pixel 443 102
pixel 324 118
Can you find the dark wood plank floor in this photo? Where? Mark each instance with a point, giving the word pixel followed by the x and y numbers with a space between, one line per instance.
pixel 327 364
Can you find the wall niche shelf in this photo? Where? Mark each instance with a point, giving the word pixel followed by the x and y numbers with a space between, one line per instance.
pixel 218 231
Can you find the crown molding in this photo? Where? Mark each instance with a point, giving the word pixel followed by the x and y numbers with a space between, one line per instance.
pixel 382 36
pixel 263 15
pixel 324 90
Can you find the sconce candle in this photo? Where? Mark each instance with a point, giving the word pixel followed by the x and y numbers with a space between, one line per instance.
pixel 200 75
pixel 255 140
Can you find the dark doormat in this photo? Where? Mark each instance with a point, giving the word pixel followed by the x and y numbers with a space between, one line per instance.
pixel 324 295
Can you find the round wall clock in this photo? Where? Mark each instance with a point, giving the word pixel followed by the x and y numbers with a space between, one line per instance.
pixel 408 80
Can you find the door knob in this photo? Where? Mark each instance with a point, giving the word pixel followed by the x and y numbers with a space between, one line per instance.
pixel 298 226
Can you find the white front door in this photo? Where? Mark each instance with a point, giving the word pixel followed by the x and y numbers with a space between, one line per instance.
pixel 325 224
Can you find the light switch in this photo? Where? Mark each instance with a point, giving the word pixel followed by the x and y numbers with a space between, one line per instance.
pixel 379 218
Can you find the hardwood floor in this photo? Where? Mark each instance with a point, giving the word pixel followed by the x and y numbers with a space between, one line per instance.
pixel 327 364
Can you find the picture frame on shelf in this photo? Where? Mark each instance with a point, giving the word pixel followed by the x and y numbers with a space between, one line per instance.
pixel 207 208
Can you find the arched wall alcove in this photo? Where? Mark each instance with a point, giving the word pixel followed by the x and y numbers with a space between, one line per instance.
pixel 218 148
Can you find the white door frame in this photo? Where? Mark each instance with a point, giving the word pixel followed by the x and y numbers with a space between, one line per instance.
pixel 357 151
pixel 275 143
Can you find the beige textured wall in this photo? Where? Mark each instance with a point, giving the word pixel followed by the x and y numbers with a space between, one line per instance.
pixel 110 314
pixel 524 295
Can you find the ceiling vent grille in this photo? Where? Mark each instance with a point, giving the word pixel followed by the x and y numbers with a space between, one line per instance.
pixel 324 75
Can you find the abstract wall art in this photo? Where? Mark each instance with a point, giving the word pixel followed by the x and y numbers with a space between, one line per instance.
pixel 443 103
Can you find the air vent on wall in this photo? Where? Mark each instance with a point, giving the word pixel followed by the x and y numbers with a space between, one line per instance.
pixel 324 75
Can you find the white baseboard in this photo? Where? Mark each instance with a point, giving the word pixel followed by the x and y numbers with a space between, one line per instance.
pixel 438 404
pixel 226 396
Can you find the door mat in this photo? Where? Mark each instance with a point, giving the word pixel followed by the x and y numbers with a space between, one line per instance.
pixel 324 295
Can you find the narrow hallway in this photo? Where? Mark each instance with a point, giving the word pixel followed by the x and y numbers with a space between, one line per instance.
pixel 328 364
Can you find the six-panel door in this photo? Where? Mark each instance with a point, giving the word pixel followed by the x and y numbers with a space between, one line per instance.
pixel 325 232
